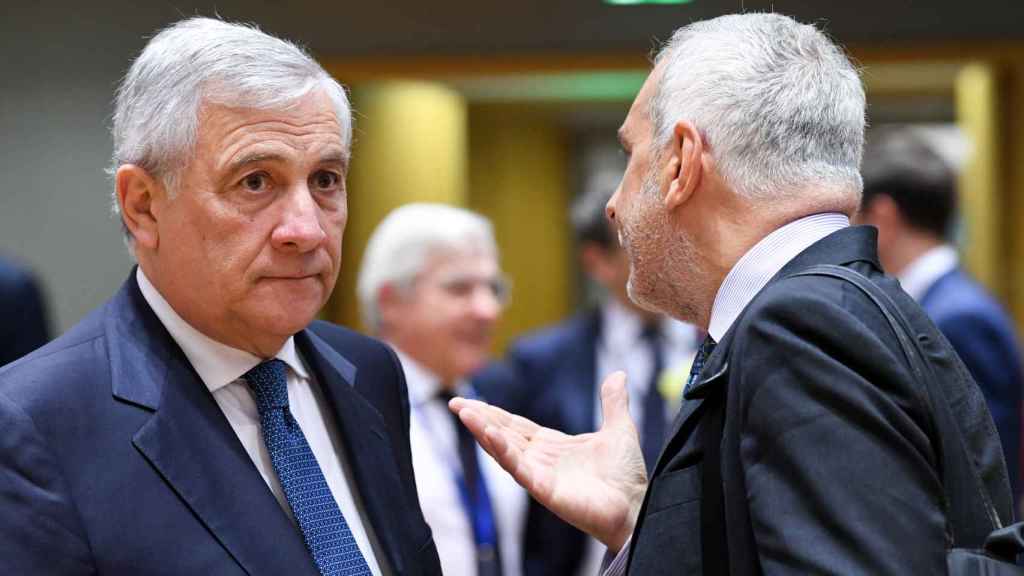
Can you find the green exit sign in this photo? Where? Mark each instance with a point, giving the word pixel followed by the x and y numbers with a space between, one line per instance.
pixel 639 2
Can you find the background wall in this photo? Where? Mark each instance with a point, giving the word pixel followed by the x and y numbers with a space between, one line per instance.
pixel 61 61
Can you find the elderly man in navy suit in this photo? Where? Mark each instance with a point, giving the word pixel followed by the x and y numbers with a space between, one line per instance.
pixel 910 195
pixel 200 422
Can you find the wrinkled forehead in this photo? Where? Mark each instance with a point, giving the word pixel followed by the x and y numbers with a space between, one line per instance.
pixel 307 125
pixel 310 100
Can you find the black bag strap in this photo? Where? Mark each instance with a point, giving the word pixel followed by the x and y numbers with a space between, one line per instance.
pixel 965 493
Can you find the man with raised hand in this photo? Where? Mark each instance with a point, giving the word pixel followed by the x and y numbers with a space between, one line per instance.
pixel 744 148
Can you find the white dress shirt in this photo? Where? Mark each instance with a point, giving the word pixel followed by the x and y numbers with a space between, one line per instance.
pixel 746 278
pixel 435 458
pixel 921 273
pixel 221 368
pixel 622 347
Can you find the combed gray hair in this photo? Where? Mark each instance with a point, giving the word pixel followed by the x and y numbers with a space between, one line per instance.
pixel 402 244
pixel 201 61
pixel 779 105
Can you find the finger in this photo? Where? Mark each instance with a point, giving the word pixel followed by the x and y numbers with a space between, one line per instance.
pixel 615 400
pixel 512 459
pixel 495 416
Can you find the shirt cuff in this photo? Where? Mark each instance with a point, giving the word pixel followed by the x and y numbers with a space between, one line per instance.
pixel 618 565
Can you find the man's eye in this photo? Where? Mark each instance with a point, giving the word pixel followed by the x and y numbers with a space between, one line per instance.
pixel 326 180
pixel 255 182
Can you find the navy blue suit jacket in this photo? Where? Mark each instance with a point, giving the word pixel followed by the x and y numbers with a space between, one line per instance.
pixel 983 336
pixel 115 459
pixel 23 319
pixel 556 387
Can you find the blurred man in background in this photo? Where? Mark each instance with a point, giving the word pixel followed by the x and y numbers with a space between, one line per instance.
pixel 24 323
pixel 561 369
pixel 201 422
pixel 430 285
pixel 910 196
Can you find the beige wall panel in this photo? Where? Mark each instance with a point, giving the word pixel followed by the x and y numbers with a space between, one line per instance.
pixel 518 178
pixel 410 146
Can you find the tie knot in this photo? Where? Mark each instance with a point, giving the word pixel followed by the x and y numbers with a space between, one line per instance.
pixel 269 384
pixel 707 346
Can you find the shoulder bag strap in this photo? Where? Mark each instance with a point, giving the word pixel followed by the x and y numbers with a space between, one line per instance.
pixel 964 491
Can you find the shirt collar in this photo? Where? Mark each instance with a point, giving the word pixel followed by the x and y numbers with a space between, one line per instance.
pixel 620 328
pixel 424 386
pixel 921 273
pixel 763 261
pixel 217 364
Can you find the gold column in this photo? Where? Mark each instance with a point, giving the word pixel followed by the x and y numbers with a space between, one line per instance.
pixel 410 145
pixel 518 179
pixel 1013 146
pixel 981 183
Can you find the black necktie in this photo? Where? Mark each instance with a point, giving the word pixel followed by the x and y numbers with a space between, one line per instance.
pixel 478 507
pixel 705 350
pixel 652 432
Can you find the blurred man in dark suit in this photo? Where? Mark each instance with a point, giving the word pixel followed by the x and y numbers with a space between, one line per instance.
pixel 561 369
pixel 200 422
pixel 24 323
pixel 910 196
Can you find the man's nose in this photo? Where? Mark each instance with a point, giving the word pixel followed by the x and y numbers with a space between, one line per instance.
pixel 299 228
pixel 609 208
pixel 485 303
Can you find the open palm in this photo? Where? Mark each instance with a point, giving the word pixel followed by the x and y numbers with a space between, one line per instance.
pixel 595 481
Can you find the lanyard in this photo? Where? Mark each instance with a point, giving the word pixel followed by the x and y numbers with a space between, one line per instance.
pixel 477 509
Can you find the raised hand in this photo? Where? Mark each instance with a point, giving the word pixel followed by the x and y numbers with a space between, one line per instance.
pixel 594 481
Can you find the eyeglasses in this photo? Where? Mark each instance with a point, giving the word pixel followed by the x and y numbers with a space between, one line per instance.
pixel 464 286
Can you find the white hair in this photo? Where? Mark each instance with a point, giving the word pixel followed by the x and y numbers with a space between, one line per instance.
pixel 402 244
pixel 779 105
pixel 201 61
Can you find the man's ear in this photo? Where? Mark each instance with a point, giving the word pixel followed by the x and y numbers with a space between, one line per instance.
pixel 389 300
pixel 136 195
pixel 684 168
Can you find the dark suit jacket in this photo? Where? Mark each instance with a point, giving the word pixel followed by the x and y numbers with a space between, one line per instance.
pixel 555 374
pixel 115 459
pixel 982 334
pixel 23 321
pixel 827 465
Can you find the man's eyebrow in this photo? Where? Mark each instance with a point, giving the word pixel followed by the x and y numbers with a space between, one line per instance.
pixel 256 157
pixel 253 158
pixel 334 158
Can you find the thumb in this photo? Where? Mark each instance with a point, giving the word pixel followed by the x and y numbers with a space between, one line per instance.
pixel 615 401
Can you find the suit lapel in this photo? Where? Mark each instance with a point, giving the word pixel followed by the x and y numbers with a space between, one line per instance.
pixel 192 446
pixel 714 373
pixel 367 449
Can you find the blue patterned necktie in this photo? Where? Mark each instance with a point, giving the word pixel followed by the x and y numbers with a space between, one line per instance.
pixel 705 350
pixel 323 526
